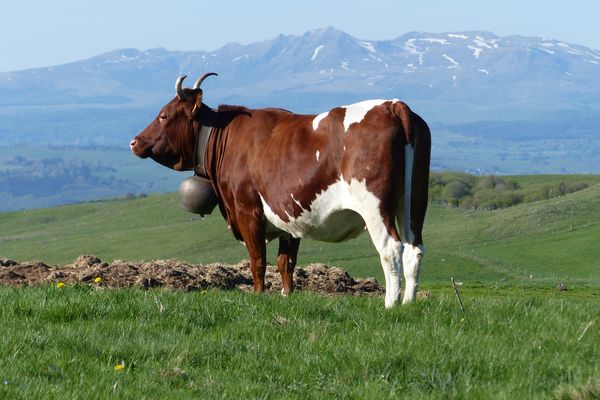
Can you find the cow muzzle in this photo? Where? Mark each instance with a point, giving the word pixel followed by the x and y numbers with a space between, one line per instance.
pixel 136 146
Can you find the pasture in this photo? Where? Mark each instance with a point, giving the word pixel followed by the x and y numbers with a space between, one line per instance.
pixel 79 342
pixel 520 337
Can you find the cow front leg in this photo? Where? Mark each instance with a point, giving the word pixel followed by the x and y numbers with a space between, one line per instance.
pixel 252 229
pixel 286 262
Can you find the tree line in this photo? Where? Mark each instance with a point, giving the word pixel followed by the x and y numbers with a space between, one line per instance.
pixel 492 192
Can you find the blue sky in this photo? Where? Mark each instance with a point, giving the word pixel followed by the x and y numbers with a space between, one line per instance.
pixel 38 33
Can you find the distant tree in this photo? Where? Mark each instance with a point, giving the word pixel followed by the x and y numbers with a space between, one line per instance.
pixel 487 182
pixel 467 203
pixel 492 199
pixel 454 191
pixel 491 192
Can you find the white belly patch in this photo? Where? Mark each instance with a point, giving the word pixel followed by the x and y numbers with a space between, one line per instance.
pixel 336 214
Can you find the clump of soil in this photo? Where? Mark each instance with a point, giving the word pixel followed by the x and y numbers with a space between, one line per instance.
pixel 179 275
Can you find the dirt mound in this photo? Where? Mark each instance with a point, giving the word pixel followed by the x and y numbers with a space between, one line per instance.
pixel 179 275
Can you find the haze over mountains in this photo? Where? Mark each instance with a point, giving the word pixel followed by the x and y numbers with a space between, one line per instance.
pixel 501 105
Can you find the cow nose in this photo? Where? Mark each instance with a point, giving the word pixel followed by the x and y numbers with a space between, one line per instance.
pixel 132 144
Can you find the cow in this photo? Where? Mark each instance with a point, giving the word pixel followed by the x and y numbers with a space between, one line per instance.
pixel 329 177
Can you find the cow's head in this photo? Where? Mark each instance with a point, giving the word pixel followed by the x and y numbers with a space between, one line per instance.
pixel 169 139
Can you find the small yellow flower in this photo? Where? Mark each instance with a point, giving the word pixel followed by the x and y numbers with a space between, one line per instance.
pixel 60 284
pixel 120 366
pixel 98 279
pixel 462 320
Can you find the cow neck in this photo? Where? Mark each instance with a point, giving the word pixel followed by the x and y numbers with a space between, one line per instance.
pixel 206 118
pixel 217 145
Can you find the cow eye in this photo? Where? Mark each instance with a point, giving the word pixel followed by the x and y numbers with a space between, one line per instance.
pixel 162 117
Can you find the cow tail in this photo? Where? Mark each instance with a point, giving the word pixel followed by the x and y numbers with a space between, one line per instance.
pixel 402 111
pixel 407 150
pixel 417 164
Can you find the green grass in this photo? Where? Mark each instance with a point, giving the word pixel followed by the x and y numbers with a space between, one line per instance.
pixel 538 242
pixel 512 343
pixel 520 338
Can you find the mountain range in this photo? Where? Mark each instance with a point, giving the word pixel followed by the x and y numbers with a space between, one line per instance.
pixel 474 88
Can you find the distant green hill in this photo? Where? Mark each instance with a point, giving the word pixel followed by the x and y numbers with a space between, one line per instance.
pixel 41 177
pixel 538 243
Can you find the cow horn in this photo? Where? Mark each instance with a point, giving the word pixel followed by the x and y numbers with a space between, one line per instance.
pixel 178 89
pixel 202 78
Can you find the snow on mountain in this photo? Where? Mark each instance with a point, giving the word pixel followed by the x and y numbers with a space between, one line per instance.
pixel 316 52
pixel 320 68
pixel 527 100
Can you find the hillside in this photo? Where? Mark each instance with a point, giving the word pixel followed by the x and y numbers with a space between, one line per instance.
pixel 42 177
pixel 539 243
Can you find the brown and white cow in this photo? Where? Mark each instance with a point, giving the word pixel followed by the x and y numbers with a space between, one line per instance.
pixel 328 177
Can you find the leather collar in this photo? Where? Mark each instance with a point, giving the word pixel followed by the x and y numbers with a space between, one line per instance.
pixel 201 142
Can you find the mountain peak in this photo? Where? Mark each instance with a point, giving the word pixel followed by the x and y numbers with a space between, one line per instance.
pixel 329 33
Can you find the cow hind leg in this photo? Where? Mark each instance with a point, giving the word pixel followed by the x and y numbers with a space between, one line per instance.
pixel 411 261
pixel 392 267
pixel 389 247
pixel 286 262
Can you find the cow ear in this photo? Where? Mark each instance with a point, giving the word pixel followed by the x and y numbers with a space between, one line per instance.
pixel 197 103
pixel 198 99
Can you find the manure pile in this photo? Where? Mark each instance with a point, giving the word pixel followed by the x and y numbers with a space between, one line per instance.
pixel 177 275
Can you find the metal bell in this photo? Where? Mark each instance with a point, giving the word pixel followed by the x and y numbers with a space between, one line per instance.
pixel 197 196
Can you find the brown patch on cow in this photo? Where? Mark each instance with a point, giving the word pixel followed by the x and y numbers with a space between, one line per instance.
pixel 262 149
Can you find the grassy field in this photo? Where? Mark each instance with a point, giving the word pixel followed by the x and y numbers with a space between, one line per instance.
pixel 87 343
pixel 520 338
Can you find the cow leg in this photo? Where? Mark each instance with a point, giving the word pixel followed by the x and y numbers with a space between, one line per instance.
pixel 389 255
pixel 392 268
pixel 388 245
pixel 252 229
pixel 411 260
pixel 286 262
